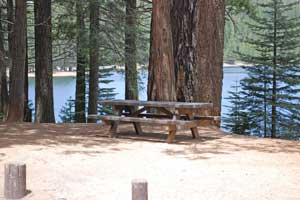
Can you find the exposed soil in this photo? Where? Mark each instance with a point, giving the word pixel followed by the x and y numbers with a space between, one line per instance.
pixel 79 162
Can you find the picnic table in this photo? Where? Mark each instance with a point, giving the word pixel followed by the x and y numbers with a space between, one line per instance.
pixel 174 115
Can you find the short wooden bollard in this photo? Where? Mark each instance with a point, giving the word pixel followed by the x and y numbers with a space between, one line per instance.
pixel 139 189
pixel 14 180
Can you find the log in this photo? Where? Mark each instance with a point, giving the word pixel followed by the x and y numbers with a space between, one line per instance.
pixel 15 180
pixel 139 189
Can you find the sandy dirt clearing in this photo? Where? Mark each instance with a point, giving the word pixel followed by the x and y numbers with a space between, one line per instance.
pixel 77 162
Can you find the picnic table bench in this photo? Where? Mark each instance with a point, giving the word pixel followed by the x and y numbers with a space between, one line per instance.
pixel 174 115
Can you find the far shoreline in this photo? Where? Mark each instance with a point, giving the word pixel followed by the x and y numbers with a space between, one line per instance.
pixel 58 74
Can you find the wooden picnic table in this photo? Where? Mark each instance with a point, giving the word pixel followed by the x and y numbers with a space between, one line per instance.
pixel 171 114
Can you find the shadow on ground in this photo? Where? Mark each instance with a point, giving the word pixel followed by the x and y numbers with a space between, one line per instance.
pixel 212 142
pixel 53 135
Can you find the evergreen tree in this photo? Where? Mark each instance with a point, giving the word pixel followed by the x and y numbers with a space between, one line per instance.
pixel 67 113
pixel 236 121
pixel 17 73
pixel 255 94
pixel 44 100
pixel 272 90
pixel 81 43
pixel 105 92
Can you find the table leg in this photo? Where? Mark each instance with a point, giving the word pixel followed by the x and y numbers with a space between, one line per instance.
pixel 172 134
pixel 113 132
pixel 194 130
pixel 138 128
pixel 135 113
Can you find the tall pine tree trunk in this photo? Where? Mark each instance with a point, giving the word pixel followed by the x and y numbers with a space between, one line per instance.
pixel 131 75
pixel 16 97
pixel 10 19
pixel 3 85
pixel 210 53
pixel 184 16
pixel 43 63
pixel 3 76
pixel 80 116
pixel 198 40
pixel 161 81
pixel 94 58
pixel 274 77
pixel 27 110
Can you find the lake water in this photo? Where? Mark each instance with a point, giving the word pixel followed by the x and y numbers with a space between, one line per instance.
pixel 64 87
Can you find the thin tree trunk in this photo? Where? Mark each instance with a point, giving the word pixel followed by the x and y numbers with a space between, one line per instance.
pixel 43 63
pixel 131 75
pixel 274 78
pixel 27 110
pixel 265 109
pixel 3 86
pixel 10 19
pixel 161 81
pixel 80 116
pixel 3 76
pixel 94 58
pixel 16 97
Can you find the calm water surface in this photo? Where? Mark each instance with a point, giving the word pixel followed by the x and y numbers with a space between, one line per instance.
pixel 64 87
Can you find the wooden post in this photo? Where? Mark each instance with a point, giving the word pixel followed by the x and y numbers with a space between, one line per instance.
pixel 15 180
pixel 139 189
pixel 172 133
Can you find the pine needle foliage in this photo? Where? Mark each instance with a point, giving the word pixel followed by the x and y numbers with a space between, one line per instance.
pixel 271 93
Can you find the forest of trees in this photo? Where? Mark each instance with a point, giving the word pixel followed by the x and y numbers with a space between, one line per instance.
pixel 182 42
pixel 267 102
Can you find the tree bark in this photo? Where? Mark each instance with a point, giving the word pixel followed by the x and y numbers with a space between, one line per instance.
pixel 94 58
pixel 3 76
pixel 198 40
pixel 10 19
pixel 43 63
pixel 3 85
pixel 131 75
pixel 274 77
pixel 27 110
pixel 184 22
pixel 16 97
pixel 210 53
pixel 161 81
pixel 80 116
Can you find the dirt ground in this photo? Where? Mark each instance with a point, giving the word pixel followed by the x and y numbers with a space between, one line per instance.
pixel 79 162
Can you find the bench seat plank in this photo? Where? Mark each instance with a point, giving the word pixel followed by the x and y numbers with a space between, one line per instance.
pixel 147 120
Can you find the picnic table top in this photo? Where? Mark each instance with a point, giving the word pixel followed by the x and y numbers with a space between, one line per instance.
pixel 164 104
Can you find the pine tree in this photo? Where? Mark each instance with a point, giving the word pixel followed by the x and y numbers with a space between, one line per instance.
pixel 17 74
pixel 236 121
pixel 67 113
pixel 44 100
pixel 105 92
pixel 94 57
pixel 255 95
pixel 272 92
pixel 131 74
pixel 81 43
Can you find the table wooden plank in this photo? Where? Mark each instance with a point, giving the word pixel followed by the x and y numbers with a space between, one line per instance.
pixel 153 104
pixel 183 123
